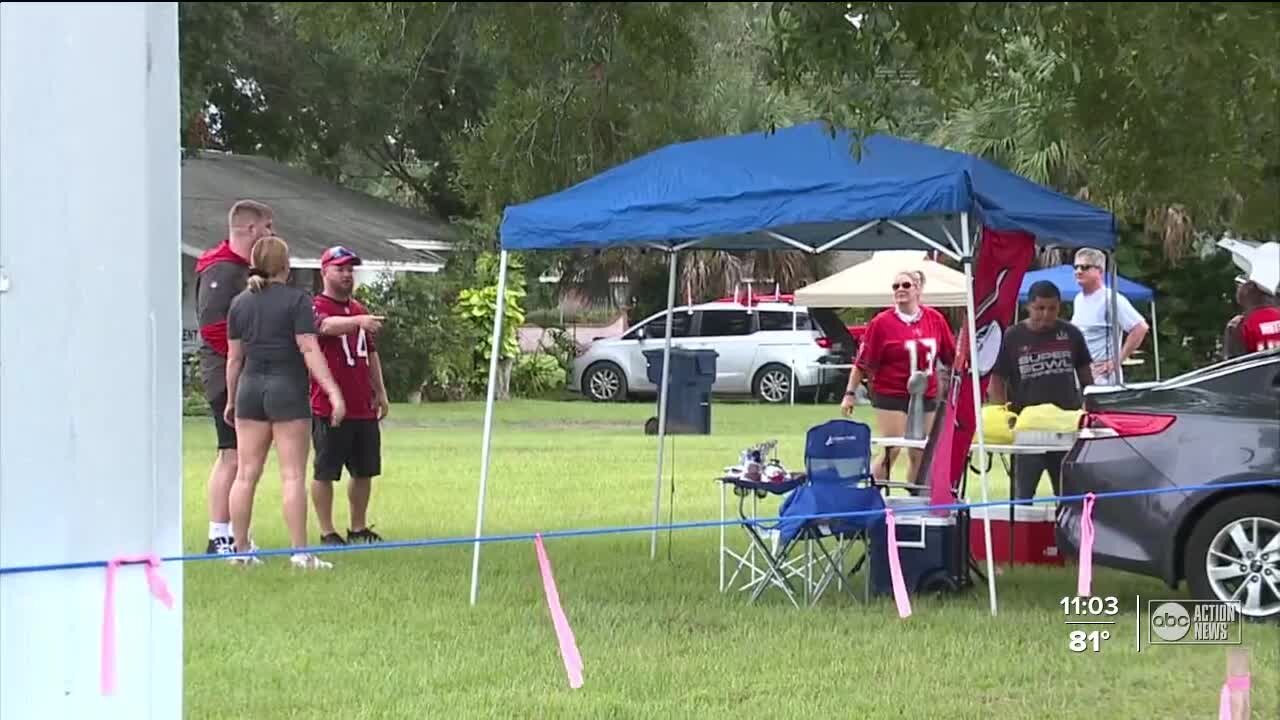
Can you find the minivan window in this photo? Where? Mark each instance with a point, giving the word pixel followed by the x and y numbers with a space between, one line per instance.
pixel 657 327
pixel 772 320
pixel 721 323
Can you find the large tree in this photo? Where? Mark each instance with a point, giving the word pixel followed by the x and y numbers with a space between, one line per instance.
pixel 1177 103
pixel 587 86
pixel 365 94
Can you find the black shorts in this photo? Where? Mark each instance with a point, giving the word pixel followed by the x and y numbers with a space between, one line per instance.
pixel 899 404
pixel 226 433
pixel 1028 469
pixel 355 445
pixel 273 397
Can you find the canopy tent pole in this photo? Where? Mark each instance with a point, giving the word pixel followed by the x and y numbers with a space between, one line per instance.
pixel 662 402
pixel 494 350
pixel 976 374
pixel 1155 335
pixel 1113 327
pixel 792 386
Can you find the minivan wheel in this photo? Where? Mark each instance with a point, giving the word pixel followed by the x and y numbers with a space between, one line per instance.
pixel 1233 553
pixel 604 382
pixel 773 384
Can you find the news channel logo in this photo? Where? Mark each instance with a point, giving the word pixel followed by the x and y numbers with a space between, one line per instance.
pixel 1194 622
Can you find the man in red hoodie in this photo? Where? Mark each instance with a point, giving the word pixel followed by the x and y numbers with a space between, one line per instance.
pixel 222 272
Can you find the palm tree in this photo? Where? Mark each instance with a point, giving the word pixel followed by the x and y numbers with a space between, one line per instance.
pixel 1016 126
pixel 1019 124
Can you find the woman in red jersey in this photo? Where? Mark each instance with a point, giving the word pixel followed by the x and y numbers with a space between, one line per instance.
pixel 905 338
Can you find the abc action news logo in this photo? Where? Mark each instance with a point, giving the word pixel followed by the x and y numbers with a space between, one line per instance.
pixel 1194 622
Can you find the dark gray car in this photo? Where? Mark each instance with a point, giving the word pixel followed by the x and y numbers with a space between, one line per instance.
pixel 1220 424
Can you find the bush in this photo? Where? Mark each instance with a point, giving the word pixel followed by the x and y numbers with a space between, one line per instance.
pixel 193 400
pixel 536 375
pixel 423 346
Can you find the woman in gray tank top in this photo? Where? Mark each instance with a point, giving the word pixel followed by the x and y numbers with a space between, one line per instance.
pixel 272 356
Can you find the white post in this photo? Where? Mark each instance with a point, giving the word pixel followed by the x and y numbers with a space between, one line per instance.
pixel 1155 334
pixel 975 373
pixel 488 420
pixel 90 355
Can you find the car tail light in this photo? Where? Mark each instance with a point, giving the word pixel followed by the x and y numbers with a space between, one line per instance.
pixel 1094 426
pixel 823 342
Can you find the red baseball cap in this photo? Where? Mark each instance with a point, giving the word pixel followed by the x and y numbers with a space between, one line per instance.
pixel 338 255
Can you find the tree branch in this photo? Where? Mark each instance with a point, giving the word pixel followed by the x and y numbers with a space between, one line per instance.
pixel 426 50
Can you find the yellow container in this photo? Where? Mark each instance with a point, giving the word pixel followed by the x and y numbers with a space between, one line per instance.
pixel 1048 417
pixel 997 424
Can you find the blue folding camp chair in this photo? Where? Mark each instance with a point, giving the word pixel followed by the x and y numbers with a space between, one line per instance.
pixel 837 480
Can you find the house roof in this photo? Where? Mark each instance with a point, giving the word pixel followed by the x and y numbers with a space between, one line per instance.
pixel 311 214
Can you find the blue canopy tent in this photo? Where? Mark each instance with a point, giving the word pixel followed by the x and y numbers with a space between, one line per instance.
pixel 803 187
pixel 1064 278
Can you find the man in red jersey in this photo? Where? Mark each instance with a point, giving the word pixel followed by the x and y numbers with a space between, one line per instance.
pixel 904 339
pixel 222 273
pixel 346 333
pixel 1258 327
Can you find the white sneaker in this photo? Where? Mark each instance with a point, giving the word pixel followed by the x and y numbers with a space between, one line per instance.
pixel 307 561
pixel 229 548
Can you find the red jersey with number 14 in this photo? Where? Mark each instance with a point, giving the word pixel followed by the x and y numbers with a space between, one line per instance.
pixel 1261 329
pixel 348 359
pixel 892 348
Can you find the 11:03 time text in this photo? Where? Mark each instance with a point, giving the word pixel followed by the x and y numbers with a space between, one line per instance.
pixel 1090 605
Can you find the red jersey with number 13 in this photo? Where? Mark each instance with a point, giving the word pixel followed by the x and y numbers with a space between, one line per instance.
pixel 348 359
pixel 1261 329
pixel 892 345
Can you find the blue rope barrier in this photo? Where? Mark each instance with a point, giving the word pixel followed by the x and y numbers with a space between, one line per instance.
pixel 621 530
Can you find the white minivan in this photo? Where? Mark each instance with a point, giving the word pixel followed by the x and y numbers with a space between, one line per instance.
pixel 755 345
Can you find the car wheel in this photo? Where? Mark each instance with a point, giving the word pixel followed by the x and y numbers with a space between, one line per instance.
pixel 604 382
pixel 1233 553
pixel 773 384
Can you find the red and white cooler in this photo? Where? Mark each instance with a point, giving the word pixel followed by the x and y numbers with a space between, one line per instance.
pixel 1032 533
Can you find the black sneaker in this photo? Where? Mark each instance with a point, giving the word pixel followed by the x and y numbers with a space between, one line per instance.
pixel 227 546
pixel 366 535
pixel 332 538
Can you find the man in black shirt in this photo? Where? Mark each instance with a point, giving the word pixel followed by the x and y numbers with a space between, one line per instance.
pixel 1042 360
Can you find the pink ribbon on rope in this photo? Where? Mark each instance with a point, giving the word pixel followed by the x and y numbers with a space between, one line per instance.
pixel 1238 683
pixel 895 568
pixel 568 646
pixel 158 589
pixel 1084 582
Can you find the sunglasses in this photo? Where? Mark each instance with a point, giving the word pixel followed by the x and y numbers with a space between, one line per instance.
pixel 1085 268
pixel 902 286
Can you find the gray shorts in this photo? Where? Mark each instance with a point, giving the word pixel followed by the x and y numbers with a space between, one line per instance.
pixel 273 397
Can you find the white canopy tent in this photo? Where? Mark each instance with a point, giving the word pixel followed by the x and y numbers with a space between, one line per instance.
pixel 800 188
pixel 867 284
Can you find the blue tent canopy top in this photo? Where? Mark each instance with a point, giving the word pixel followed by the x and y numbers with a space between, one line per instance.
pixel 1063 276
pixel 741 192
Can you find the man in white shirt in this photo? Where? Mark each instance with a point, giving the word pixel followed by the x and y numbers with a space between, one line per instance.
pixel 1091 312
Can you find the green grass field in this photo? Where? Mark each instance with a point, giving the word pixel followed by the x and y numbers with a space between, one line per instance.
pixel 391 633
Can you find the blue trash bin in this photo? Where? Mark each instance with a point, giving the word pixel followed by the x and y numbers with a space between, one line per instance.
pixel 693 373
